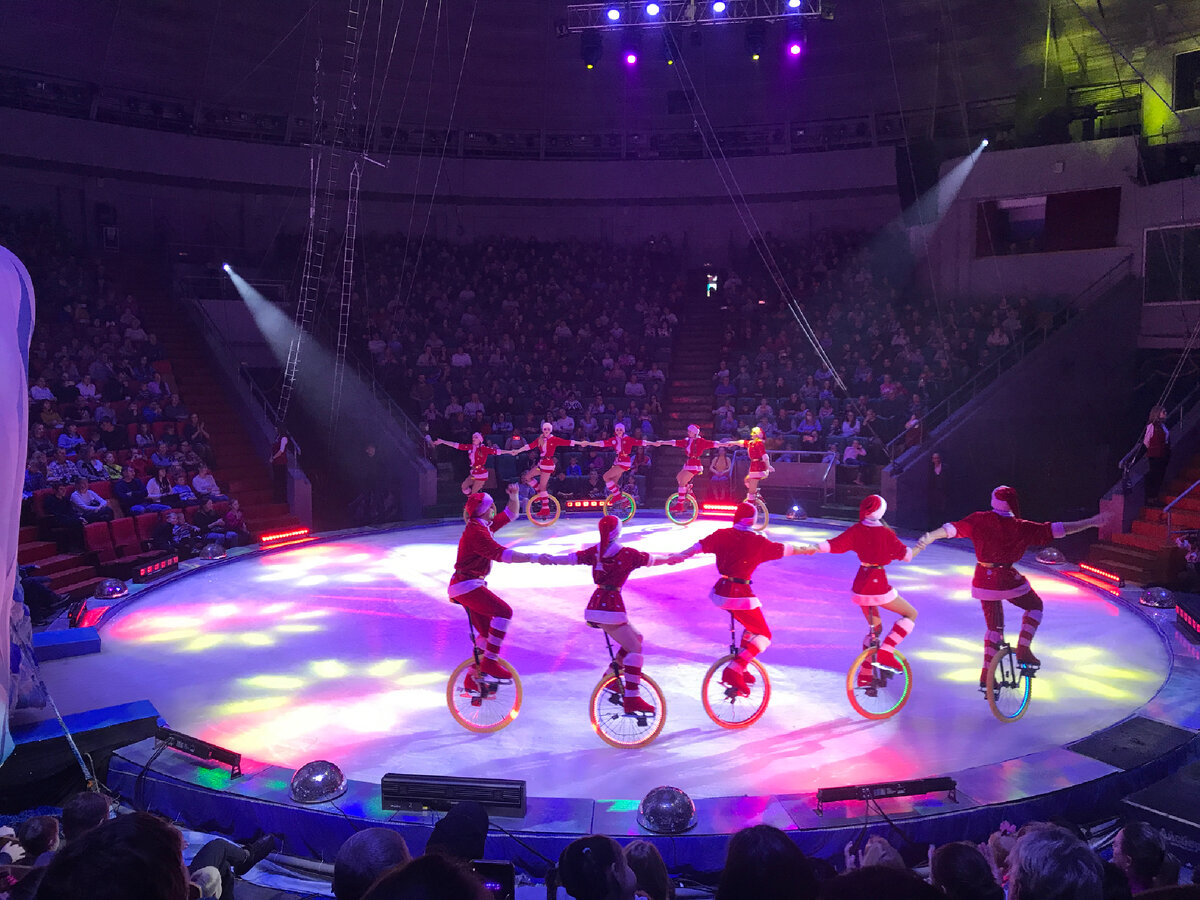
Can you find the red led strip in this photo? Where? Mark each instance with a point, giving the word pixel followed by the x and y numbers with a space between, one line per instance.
pixel 283 535
pixel 1103 573
pixel 1105 586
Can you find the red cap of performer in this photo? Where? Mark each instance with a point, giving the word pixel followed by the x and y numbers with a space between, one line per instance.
pixel 478 505
pixel 745 513
pixel 610 530
pixel 1004 501
pixel 872 507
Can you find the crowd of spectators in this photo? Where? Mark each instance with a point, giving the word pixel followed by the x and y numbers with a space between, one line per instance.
pixel 496 336
pixel 109 435
pixel 899 351
pixel 90 853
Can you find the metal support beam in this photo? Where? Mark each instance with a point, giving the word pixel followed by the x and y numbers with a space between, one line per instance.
pixel 595 16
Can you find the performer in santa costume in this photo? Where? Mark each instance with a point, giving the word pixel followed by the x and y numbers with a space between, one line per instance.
pixel 477 550
pixel 624 446
pixel 760 462
pixel 1001 537
pixel 739 551
pixel 694 447
pixel 612 563
pixel 876 545
pixel 545 444
pixel 477 455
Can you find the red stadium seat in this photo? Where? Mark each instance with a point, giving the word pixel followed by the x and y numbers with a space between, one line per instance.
pixel 103 488
pixel 98 540
pixel 124 536
pixel 145 525
pixel 158 429
pixel 39 502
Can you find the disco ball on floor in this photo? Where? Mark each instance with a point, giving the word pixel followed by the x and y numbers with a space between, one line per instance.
pixel 1051 556
pixel 667 810
pixel 317 782
pixel 110 589
pixel 213 551
pixel 1158 597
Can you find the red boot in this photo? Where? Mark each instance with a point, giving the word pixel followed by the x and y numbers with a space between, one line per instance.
pixel 494 668
pixel 886 659
pixel 734 679
pixel 1026 658
pixel 470 685
pixel 635 704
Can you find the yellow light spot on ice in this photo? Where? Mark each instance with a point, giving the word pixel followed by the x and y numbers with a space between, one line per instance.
pixel 1075 654
pixel 386 667
pixel 257 704
pixel 329 668
pixel 942 656
pixel 963 644
pixel 203 642
pixel 256 639
pixel 275 609
pixel 419 678
pixel 162 637
pixel 1098 670
pixel 296 628
pixel 1099 688
pixel 274 682
pixel 961 676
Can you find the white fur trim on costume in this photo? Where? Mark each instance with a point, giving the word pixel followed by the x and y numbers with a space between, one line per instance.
pixel 1019 590
pixel 1057 529
pixel 605 617
pixel 950 530
pixel 907 554
pixel 748 602
pixel 823 547
pixel 465 587
pixel 506 556
pixel 874 599
pixel 870 522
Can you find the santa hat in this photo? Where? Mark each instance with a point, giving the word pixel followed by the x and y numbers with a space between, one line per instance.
pixel 1004 501
pixel 873 508
pixel 478 505
pixel 693 428
pixel 610 532
pixel 744 514
pixel 477 435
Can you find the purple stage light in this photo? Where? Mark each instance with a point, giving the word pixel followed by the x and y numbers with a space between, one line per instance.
pixel 614 14
pixel 630 59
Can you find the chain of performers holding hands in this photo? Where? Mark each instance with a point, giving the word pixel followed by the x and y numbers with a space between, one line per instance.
pixel 999 534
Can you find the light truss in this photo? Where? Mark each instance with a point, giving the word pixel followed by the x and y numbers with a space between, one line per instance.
pixel 595 16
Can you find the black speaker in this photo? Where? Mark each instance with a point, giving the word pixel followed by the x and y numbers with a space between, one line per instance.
pixel 500 797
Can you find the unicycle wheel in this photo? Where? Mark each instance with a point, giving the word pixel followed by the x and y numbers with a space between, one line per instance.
pixel 491 705
pixel 543 511
pixel 877 693
pixel 623 506
pixel 682 509
pixel 725 705
pixel 1009 686
pixel 764 515
pixel 620 729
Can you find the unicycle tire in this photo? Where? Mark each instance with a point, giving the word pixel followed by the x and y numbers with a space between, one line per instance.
pixel 623 506
pixel 725 705
pixel 611 723
pixel 543 511
pixel 874 693
pixel 682 509
pixel 489 709
pixel 1009 686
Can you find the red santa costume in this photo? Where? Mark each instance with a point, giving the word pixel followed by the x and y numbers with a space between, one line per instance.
pixel 477 456
pixel 477 550
pixel 612 564
pixel 876 545
pixel 545 444
pixel 757 451
pixel 693 447
pixel 1001 537
pixel 739 551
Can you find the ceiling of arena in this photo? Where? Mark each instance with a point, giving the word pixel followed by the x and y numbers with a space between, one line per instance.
pixel 874 56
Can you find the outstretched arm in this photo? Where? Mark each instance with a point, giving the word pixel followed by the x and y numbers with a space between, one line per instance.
pixel 513 507
pixel 676 558
pixel 800 549
pixel 560 559
pixel 1083 524
pixel 938 534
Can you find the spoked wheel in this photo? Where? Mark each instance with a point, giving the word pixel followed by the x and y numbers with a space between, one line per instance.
pixel 1009 686
pixel 764 514
pixel 725 705
pixel 543 511
pixel 623 506
pixel 874 692
pixel 487 706
pixel 682 509
pixel 620 729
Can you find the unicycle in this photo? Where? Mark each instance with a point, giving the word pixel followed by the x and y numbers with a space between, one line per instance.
pixel 543 511
pixel 621 505
pixel 877 692
pixel 682 509
pixel 724 704
pixel 611 723
pixel 1009 684
pixel 764 514
pixel 479 702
